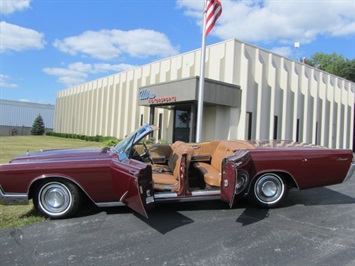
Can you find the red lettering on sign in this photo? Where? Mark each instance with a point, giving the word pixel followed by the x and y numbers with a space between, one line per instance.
pixel 167 99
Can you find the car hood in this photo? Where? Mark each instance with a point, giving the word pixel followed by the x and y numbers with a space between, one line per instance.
pixel 62 154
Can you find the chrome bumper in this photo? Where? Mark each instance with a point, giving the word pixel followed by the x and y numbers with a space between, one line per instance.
pixel 13 198
pixel 351 172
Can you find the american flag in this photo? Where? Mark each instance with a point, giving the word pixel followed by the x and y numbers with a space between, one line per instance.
pixel 213 11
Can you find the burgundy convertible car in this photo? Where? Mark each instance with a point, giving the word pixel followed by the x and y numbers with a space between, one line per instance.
pixel 139 175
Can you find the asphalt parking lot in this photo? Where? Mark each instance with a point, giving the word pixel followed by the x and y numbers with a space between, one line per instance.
pixel 313 227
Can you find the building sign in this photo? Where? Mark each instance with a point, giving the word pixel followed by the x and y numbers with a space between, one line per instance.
pixel 151 98
pixel 168 99
pixel 146 95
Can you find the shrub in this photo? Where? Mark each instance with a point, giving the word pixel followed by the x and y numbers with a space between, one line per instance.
pixel 108 141
pixel 111 142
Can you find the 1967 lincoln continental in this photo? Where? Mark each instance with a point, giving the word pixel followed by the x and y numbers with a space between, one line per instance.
pixel 139 175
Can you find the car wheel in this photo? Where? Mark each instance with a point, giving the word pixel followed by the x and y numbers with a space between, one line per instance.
pixel 57 199
pixel 268 190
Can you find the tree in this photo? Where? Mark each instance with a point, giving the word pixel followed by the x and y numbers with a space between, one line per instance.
pixel 349 70
pixel 38 127
pixel 334 64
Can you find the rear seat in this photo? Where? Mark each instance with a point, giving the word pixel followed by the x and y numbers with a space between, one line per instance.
pixel 167 177
pixel 212 172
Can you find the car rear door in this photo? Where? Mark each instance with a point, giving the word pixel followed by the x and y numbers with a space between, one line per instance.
pixel 138 192
pixel 228 181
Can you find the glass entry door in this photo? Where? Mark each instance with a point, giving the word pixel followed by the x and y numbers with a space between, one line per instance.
pixel 182 123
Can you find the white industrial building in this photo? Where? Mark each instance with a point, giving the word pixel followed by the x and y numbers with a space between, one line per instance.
pixel 16 118
pixel 250 93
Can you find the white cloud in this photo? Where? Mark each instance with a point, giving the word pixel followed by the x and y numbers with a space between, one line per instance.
pixel 4 82
pixel 284 21
pixel 108 67
pixel 24 100
pixel 66 76
pixel 81 67
pixel 78 72
pixel 16 38
pixel 110 44
pixel 11 6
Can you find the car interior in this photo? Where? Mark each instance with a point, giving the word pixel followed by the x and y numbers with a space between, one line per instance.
pixel 202 163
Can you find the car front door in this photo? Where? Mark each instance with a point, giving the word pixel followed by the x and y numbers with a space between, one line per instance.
pixel 137 191
pixel 228 181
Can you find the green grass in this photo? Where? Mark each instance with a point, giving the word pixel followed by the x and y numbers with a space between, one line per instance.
pixel 10 147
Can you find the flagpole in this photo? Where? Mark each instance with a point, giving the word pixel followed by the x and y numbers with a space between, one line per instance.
pixel 201 79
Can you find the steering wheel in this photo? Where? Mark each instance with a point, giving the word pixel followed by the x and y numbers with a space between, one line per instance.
pixel 146 154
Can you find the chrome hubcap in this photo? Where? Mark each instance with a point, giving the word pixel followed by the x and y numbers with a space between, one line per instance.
pixel 269 188
pixel 55 198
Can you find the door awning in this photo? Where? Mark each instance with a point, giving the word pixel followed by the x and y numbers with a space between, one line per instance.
pixel 186 90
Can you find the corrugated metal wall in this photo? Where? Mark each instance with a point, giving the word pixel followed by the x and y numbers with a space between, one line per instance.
pixel 281 99
pixel 14 113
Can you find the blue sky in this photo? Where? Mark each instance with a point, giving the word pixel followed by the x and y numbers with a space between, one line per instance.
pixel 50 45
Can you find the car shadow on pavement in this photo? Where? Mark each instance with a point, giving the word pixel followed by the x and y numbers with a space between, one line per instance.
pixel 309 197
pixel 165 222
pixel 252 215
pixel 317 196
pixel 90 208
pixel 166 217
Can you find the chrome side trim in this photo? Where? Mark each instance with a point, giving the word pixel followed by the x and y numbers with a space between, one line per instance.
pixel 109 204
pixel 206 193
pixel 164 195
pixel 171 196
pixel 13 198
pixel 189 199
pixel 199 193
pixel 195 196
pixel 351 172
pixel 123 196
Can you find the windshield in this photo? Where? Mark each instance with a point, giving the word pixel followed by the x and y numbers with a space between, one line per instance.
pixel 126 144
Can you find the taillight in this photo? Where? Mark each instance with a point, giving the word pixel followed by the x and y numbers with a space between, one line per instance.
pixel 229 172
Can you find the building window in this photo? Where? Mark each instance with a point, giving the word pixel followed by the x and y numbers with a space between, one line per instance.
pixel 275 126
pixel 142 116
pixel 298 130
pixel 160 124
pixel 249 124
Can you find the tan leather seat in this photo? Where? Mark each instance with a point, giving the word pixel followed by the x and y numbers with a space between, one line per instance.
pixel 171 164
pixel 168 177
pixel 212 172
